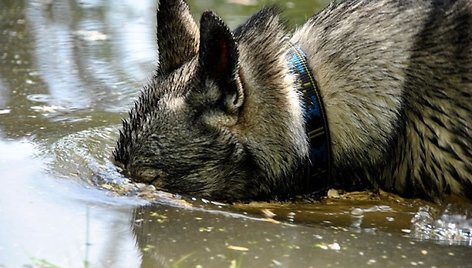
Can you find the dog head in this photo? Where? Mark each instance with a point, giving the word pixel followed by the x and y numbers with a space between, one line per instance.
pixel 202 126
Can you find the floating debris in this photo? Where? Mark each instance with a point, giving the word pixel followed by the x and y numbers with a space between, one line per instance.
pixel 371 262
pixel 206 229
pixel 333 193
pixel 238 248
pixel 148 247
pixel 334 246
pixel 268 213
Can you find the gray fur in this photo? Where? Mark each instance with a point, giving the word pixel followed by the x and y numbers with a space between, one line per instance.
pixel 395 77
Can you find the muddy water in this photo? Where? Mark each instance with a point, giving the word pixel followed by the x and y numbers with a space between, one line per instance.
pixel 68 72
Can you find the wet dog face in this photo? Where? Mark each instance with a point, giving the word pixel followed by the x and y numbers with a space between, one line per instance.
pixel 180 133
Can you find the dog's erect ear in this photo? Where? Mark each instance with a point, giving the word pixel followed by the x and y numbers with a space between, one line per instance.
pixel 218 58
pixel 177 35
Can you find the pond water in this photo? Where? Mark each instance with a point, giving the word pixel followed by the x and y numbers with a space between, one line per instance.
pixel 69 70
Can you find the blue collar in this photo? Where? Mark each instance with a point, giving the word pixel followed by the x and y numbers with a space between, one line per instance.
pixel 318 171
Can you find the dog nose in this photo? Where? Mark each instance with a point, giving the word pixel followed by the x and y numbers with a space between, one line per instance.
pixel 148 175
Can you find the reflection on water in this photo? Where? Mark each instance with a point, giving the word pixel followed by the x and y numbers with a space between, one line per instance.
pixel 55 220
pixel 54 73
pixel 170 236
pixel 69 70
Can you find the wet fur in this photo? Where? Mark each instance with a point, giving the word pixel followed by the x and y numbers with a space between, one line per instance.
pixel 221 118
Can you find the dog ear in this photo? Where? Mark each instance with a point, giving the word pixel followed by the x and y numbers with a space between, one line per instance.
pixel 219 57
pixel 177 35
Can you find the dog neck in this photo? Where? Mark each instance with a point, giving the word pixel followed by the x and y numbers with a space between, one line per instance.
pixel 318 171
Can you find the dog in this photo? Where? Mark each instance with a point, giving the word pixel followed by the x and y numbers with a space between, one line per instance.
pixel 365 94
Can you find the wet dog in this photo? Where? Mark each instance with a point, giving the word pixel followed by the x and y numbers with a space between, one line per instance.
pixel 364 94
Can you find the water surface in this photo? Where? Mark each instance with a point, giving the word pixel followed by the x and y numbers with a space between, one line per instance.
pixel 69 70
